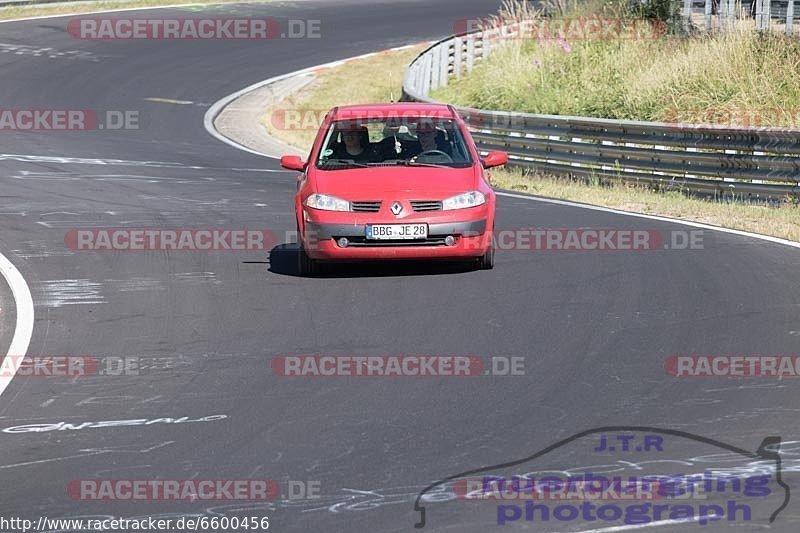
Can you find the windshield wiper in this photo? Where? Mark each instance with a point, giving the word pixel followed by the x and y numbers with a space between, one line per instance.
pixel 418 164
pixel 406 163
pixel 341 164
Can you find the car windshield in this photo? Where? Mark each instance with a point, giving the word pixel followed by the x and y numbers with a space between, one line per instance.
pixel 407 141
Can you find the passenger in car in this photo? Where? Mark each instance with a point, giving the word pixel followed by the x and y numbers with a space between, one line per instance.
pixel 355 146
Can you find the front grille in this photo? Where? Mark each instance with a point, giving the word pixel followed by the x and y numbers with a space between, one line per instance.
pixel 364 242
pixel 366 207
pixel 426 205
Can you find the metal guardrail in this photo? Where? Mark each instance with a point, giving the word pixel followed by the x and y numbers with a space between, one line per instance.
pixel 724 13
pixel 745 162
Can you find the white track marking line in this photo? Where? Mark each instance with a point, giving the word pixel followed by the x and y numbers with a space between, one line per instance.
pixel 769 238
pixel 611 529
pixel 24 328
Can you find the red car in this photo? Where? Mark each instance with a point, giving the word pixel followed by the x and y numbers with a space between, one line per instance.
pixel 394 181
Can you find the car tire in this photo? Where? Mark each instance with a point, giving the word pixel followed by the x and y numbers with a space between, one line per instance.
pixel 306 266
pixel 486 261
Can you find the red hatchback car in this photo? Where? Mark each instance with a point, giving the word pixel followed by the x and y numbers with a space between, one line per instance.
pixel 394 181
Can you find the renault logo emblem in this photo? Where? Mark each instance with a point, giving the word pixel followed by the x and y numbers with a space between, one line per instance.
pixel 397 208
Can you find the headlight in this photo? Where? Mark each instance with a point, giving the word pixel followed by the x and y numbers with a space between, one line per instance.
pixel 327 203
pixel 462 201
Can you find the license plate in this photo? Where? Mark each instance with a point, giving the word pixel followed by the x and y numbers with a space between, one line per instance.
pixel 397 231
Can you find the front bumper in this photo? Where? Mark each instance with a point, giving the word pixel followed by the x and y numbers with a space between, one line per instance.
pixel 471 240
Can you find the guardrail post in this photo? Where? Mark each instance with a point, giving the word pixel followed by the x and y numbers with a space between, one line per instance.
pixel 686 14
pixel 707 12
pixel 762 15
pixel 458 44
pixel 767 13
pixel 444 64
pixel 727 14
pixel 470 53
pixel 790 17
pixel 759 18
pixel 426 74
pixel 436 58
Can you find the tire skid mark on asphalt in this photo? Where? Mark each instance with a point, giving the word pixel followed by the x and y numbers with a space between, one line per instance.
pixel 67 160
pixel 39 249
pixel 89 452
pixel 63 292
pixel 50 53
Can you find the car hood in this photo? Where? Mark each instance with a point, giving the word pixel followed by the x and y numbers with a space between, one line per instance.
pixel 376 182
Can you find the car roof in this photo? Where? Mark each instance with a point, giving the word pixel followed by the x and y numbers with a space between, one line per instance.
pixel 402 109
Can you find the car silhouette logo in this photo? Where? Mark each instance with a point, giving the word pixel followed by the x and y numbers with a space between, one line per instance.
pixel 510 483
pixel 397 208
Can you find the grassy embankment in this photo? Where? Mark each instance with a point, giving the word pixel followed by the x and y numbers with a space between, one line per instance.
pixel 653 77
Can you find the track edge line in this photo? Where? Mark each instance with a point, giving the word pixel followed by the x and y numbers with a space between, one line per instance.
pixel 23 330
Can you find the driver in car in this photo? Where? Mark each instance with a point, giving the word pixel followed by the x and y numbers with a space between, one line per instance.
pixel 428 138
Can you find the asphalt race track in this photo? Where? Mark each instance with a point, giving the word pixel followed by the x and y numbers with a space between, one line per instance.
pixel 594 328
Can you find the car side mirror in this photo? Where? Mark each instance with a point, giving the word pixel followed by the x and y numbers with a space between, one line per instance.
pixel 495 159
pixel 293 162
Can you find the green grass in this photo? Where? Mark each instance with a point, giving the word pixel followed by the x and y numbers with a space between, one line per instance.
pixel 653 79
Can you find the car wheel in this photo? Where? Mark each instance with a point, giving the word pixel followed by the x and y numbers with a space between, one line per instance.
pixel 486 261
pixel 305 265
